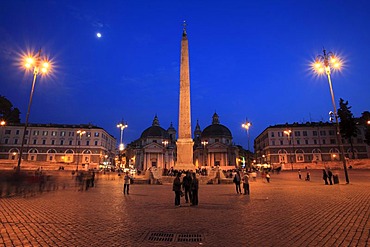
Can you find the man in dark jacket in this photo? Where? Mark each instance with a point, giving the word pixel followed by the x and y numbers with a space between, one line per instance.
pixel 177 189
pixel 186 182
pixel 330 175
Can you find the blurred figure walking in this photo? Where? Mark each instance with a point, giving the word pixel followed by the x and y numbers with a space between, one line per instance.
pixel 194 190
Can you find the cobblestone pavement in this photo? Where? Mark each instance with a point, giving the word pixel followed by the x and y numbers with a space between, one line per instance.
pixel 285 212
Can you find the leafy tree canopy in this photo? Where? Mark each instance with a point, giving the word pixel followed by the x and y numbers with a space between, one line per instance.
pixel 7 112
pixel 348 128
pixel 364 120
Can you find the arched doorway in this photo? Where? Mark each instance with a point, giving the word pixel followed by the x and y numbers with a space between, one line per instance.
pixel 68 156
pixel 334 154
pixel 32 154
pixel 13 154
pixel 299 153
pixel 316 155
pixel 50 156
pixel 283 156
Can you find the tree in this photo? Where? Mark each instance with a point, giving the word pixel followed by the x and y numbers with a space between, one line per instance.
pixel 347 125
pixel 364 120
pixel 7 112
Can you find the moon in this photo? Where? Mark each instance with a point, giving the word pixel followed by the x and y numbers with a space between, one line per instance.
pixel 98 35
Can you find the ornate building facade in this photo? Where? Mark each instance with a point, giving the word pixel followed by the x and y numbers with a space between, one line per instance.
pixel 156 147
pixel 214 147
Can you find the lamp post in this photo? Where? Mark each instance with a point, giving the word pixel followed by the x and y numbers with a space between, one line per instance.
pixel 2 124
pixel 121 126
pixel 204 143
pixel 246 126
pixel 165 143
pixel 80 133
pixel 324 64
pixel 290 139
pixel 38 65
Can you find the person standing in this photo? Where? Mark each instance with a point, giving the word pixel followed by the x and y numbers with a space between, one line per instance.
pixel 176 187
pixel 325 176
pixel 246 183
pixel 186 183
pixel 330 175
pixel 236 180
pixel 194 189
pixel 308 176
pixel 126 183
pixel 299 174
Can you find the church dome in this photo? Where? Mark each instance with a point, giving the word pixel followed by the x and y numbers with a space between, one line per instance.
pixel 216 129
pixel 155 131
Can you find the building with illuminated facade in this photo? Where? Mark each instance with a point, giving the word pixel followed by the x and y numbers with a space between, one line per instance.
pixel 311 142
pixel 156 147
pixel 58 143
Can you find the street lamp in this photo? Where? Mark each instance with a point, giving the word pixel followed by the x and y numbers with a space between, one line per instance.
pixel 165 143
pixel 80 133
pixel 246 126
pixel 290 138
pixel 204 143
pixel 2 124
pixel 39 65
pixel 324 64
pixel 121 126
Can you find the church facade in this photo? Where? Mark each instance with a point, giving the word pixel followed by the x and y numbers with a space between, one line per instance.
pixel 156 147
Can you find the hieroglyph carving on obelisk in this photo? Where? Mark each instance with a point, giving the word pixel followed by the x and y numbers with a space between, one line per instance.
pixel 184 142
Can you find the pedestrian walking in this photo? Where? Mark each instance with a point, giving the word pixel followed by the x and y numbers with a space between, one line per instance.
pixel 176 187
pixel 325 176
pixel 246 184
pixel 268 177
pixel 126 183
pixel 299 174
pixel 236 180
pixel 186 183
pixel 194 189
pixel 330 175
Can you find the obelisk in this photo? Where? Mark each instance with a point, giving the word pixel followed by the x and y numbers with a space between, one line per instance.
pixel 184 142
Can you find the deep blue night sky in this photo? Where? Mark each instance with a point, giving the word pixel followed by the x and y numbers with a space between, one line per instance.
pixel 247 59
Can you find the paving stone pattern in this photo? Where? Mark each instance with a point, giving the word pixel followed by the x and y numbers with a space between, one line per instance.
pixel 285 212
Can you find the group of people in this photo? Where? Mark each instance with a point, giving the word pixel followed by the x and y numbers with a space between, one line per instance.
pixel 84 180
pixel 173 172
pixel 245 180
pixel 188 188
pixel 327 176
pixel 308 175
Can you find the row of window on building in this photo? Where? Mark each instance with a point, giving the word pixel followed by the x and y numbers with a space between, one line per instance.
pixel 304 133
pixel 52 142
pixel 312 142
pixel 53 133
